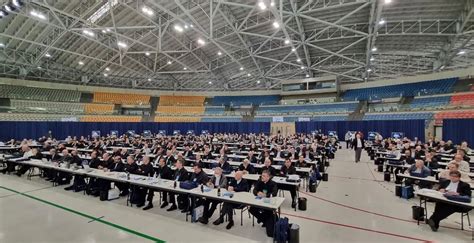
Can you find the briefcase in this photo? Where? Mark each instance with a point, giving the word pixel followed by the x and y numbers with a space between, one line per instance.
pixel 325 177
pixel 380 168
pixel 386 176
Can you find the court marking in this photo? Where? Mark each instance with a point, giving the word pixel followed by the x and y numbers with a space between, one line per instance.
pixel 96 219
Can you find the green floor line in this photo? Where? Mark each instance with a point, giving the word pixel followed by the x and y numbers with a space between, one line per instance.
pixel 148 237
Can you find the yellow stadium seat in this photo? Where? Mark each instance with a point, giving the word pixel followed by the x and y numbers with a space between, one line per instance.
pixel 177 119
pixel 166 100
pixel 99 108
pixel 117 98
pixel 111 119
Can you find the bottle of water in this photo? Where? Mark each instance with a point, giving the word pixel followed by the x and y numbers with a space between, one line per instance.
pixel 219 191
pixel 128 176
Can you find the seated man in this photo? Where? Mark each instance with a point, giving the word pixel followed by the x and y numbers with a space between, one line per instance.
pixel 180 174
pixel 198 177
pixel 301 162
pixel 268 167
pixel 419 170
pixel 79 183
pixel 145 169
pixel 453 186
pixel 265 187
pixel 163 172
pixel 430 161
pixel 218 180
pixel 288 169
pixel 35 154
pixel 224 165
pixel 25 153
pixel 463 165
pixel 246 167
pixel 238 184
pixel 444 174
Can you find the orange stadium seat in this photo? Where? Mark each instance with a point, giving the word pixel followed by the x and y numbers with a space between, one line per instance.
pixel 99 108
pixel 180 110
pixel 453 115
pixel 177 119
pixel 111 118
pixel 182 100
pixel 117 98
pixel 463 99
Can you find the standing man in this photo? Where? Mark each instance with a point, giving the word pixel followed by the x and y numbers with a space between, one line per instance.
pixel 358 145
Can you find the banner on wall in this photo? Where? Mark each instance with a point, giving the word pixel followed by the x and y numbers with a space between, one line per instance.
pixel 304 119
pixel 69 119
pixel 277 119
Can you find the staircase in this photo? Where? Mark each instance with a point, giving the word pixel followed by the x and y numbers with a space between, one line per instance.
pixel 359 112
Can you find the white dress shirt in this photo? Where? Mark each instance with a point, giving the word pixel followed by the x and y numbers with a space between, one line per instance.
pixel 452 187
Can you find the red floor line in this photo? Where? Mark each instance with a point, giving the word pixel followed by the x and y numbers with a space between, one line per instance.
pixel 369 212
pixel 357 227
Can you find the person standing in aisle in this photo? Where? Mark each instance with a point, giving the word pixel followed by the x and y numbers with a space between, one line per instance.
pixel 358 145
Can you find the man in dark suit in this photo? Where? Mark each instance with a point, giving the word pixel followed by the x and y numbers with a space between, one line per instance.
pixel 180 174
pixel 454 186
pixel 224 165
pixel 268 167
pixel 265 187
pixel 145 169
pixel 218 180
pixel 289 169
pixel 358 145
pixel 199 178
pixel 238 184
pixel 118 166
pixel 163 172
pixel 246 167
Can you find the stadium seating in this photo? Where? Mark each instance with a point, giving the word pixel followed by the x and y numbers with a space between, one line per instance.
pixel 307 109
pixel 384 107
pixel 180 110
pixel 29 106
pixel 111 118
pixel 182 100
pixel 177 119
pixel 32 93
pixel 124 99
pixel 454 114
pixel 460 100
pixel 329 118
pixel 221 119
pixel 245 100
pixel 399 116
pixel 440 86
pixel 214 111
pixel 35 117
pixel 99 108
pixel 436 102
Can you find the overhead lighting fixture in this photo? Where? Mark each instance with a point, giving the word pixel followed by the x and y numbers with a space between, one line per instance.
pixel 219 53
pixel 107 69
pixel 8 8
pixel 461 52
pixel 258 81
pixel 374 49
pixel 36 14
pixel 17 3
pixel 307 75
pixel 2 45
pixel 89 33
pixel 388 1
pixel 382 22
pixel 3 13
pixel 47 55
pixel 185 68
pixel 147 11
pixel 210 82
pixel 169 62
pixel 369 70
pixel 241 68
pixel 185 26
pixel 105 75
pixel 302 67
pixel 442 67
pixel 287 41
pixel 121 44
pixel 81 63
pixel 147 53
pixel 372 58
pixel 272 3
pixel 149 79
pixel 262 5
pixel 298 60
pixel 178 28
pixel 191 26
pixel 108 30
pixel 293 49
pixel 39 67
pixel 201 42
pixel 102 11
pixel 103 31
pixel 248 74
pixel 276 25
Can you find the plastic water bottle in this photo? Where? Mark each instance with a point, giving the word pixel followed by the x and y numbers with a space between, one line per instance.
pixel 174 184
pixel 219 191
pixel 202 188
pixel 128 176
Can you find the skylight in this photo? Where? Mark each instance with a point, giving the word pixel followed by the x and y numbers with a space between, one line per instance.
pixel 102 11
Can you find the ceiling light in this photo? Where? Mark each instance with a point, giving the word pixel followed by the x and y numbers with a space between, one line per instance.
pixel 382 22
pixel 185 68
pixel 47 55
pixel 88 32
pixel 293 49
pixel 147 53
pixel 103 31
pixel 185 26
pixel 39 67
pixel 210 82
pixel 147 11
pixel 105 75
pixel 374 48
pixel 17 3
pixel 107 69
pixel 178 28
pixel 36 14
pixel 219 53
pixel 442 67
pixel 149 79
pixel 8 8
pixel 262 5
pixel 461 52
pixel 276 25
pixel 104 9
pixel 108 30
pixel 201 42
pixel 302 67
pixel 81 63
pixel 372 58
pixel 248 74
pixel 258 81
pixel 122 44
pixel 287 42
pixel 298 60
pixel 241 68
pixel 388 1
pixel 369 70
pixel 3 13
pixel 307 75
pixel 272 3
pixel 191 26
pixel 169 62
pixel 2 45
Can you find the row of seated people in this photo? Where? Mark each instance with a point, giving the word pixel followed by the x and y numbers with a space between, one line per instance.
pixel 264 187
pixel 424 161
